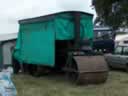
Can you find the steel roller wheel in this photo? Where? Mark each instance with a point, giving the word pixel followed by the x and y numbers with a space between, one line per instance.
pixel 87 70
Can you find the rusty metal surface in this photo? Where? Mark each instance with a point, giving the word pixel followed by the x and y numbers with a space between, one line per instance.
pixel 91 63
pixel 92 78
pixel 90 69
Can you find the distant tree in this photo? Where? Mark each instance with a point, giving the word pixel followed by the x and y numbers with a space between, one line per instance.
pixel 113 13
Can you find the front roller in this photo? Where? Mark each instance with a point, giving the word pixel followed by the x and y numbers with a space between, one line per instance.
pixel 87 70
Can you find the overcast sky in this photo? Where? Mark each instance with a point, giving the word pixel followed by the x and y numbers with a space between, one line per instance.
pixel 13 10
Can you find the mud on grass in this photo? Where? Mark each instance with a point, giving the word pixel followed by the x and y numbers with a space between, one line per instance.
pixel 116 85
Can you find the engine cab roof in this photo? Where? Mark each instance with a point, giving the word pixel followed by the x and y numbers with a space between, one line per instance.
pixel 49 17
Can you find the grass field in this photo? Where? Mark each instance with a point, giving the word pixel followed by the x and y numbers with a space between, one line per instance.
pixel 116 85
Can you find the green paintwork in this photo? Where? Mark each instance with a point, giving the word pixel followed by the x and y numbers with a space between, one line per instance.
pixel 36 41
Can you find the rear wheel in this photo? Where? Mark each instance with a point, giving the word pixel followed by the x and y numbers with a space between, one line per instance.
pixel 37 70
pixel 33 70
pixel 16 66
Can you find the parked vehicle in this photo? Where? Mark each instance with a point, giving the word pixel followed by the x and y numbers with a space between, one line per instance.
pixel 121 39
pixel 119 59
pixel 103 39
pixel 105 46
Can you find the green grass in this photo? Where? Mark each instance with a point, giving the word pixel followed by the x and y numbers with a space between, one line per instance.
pixel 116 85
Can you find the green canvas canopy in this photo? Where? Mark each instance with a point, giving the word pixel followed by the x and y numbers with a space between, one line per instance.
pixel 36 38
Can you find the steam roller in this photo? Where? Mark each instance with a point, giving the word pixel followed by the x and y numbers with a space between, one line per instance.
pixel 61 41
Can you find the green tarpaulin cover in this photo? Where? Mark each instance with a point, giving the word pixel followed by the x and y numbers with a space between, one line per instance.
pixel 36 41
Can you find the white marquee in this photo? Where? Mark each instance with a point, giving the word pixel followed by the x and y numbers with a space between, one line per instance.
pixel 14 10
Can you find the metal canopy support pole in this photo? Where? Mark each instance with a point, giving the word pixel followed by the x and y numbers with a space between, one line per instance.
pixel 72 72
pixel 1 57
pixel 77 30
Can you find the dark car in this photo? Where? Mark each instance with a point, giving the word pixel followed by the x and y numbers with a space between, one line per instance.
pixel 106 46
